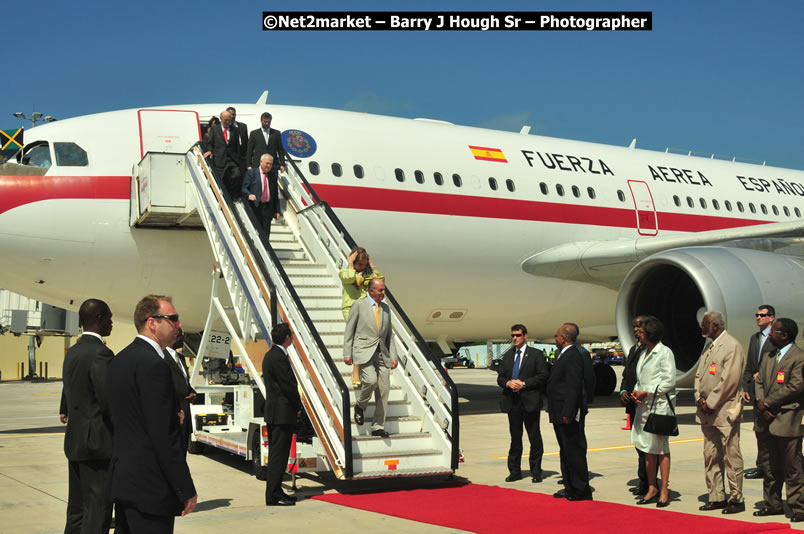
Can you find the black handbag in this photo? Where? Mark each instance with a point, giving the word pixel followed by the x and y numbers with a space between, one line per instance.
pixel 663 425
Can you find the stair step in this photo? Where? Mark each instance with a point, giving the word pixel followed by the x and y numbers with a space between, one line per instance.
pixel 391 446
pixel 326 315
pixel 410 472
pixel 396 453
pixel 284 255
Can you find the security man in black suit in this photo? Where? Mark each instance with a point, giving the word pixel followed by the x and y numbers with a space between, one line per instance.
pixel 265 140
pixel 760 342
pixel 223 144
pixel 88 439
pixel 282 409
pixel 567 407
pixel 185 394
pixel 151 483
pixel 242 134
pixel 523 375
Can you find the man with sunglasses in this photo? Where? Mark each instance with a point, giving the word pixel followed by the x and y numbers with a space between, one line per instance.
pixel 522 375
pixel 758 344
pixel 151 483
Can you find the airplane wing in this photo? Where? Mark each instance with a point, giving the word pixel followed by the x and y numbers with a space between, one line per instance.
pixel 607 262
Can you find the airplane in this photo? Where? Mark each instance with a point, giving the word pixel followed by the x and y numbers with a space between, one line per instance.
pixel 474 229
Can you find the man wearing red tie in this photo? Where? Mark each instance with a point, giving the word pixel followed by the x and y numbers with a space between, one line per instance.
pixel 260 188
pixel 223 144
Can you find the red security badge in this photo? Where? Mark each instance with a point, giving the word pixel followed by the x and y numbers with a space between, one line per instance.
pixel 712 368
pixel 780 377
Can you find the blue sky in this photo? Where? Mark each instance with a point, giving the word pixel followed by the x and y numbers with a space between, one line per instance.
pixel 717 76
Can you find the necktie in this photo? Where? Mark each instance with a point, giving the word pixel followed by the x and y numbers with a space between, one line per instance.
pixel 265 193
pixel 226 135
pixel 517 361
pixel 377 315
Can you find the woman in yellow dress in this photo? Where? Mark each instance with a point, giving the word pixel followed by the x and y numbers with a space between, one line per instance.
pixel 355 279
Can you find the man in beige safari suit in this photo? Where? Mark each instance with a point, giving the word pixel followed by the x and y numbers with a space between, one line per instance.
pixel 779 390
pixel 719 397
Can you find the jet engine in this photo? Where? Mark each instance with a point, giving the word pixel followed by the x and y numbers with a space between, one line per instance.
pixel 678 285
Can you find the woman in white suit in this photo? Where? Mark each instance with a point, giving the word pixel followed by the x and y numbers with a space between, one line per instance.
pixel 656 375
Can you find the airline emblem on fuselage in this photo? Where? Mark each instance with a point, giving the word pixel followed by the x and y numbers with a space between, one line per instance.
pixel 298 143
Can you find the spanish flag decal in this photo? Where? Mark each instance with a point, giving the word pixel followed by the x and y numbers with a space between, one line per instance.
pixel 488 154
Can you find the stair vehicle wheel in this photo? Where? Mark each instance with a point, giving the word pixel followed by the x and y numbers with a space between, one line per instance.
pixel 257 469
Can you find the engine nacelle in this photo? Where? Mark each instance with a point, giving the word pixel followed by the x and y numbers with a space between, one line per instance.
pixel 678 285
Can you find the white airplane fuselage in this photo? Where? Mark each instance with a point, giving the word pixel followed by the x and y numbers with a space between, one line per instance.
pixel 452 254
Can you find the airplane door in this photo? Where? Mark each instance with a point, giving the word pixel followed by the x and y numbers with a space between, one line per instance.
pixel 645 210
pixel 168 130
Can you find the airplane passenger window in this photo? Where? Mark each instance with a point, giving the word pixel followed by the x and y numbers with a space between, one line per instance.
pixel 621 195
pixel 400 175
pixel 439 180
pixel 751 207
pixel 690 202
pixel 492 184
pixel 775 210
pixel 419 177
pixel 786 211
pixel 358 171
pixel 740 207
pixel 715 204
pixel 510 185
pixel 456 179
pixel 314 170
pixel 70 155
pixel 576 192
pixel 727 204
pixel 336 169
pixel 764 209
pixel 702 202
pixel 797 212
pixel 591 192
pixel 560 190
pixel 677 200
pixel 543 187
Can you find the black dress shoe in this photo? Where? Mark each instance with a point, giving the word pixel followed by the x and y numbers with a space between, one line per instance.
pixel 380 433
pixel 716 505
pixel 734 508
pixel 583 497
pixel 768 511
pixel 796 517
pixel 663 504
pixel 536 480
pixel 281 502
pixel 561 494
pixel 648 501
pixel 291 498
pixel 359 419
pixel 560 480
pixel 754 474
pixel 512 478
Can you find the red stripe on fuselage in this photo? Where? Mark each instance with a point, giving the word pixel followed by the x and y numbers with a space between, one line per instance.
pixel 16 191
pixel 370 198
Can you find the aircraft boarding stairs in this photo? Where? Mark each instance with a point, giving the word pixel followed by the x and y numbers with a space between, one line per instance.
pixel 295 280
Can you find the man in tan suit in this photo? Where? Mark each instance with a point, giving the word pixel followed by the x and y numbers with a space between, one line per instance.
pixel 368 342
pixel 719 396
pixel 779 390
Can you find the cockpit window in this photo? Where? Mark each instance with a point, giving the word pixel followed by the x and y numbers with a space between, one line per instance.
pixel 37 155
pixel 70 155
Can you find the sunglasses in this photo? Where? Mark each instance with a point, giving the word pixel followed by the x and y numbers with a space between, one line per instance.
pixel 172 318
pixel 762 314
pixel 517 335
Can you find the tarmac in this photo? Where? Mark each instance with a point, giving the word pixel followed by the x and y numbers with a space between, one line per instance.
pixel 33 469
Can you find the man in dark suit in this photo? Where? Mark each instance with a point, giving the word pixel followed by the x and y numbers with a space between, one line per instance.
pixel 765 316
pixel 523 375
pixel 779 390
pixel 223 144
pixel 88 439
pixel 181 383
pixel 242 138
pixel 151 482
pixel 264 201
pixel 566 405
pixel 368 342
pixel 626 388
pixel 265 140
pixel 282 409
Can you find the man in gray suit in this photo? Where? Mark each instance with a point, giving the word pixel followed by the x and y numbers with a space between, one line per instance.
pixel 765 316
pixel 779 391
pixel 88 440
pixel 368 342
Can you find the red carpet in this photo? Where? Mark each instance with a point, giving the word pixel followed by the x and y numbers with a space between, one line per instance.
pixel 491 509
